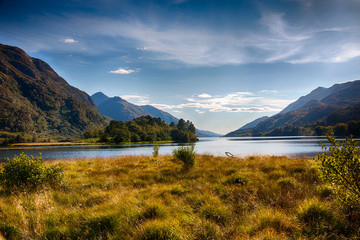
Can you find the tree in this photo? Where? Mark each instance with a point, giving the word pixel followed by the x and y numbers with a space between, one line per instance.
pixel 340 129
pixel 340 165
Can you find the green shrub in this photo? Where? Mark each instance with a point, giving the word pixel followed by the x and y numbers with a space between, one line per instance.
pixel 185 154
pixel 156 149
pixel 340 165
pixel 26 174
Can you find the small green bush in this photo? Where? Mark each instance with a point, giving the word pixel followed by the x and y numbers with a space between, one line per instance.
pixel 156 149
pixel 185 154
pixel 26 174
pixel 340 166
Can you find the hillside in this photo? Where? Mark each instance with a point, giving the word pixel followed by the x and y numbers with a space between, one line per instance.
pixel 34 99
pixel 244 130
pixel 122 110
pixel 324 106
pixel 167 117
pixel 317 94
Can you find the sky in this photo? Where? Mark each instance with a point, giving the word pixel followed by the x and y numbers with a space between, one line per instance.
pixel 217 63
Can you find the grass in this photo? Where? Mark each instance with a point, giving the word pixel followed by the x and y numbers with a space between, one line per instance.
pixel 140 197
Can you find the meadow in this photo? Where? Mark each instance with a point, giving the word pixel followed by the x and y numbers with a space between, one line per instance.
pixel 145 197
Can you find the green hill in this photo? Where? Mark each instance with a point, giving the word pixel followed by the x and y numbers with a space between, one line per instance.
pixel 35 100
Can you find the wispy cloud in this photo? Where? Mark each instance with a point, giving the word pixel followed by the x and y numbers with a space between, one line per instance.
pixel 123 71
pixel 274 40
pixel 232 102
pixel 273 37
pixel 136 99
pixel 68 40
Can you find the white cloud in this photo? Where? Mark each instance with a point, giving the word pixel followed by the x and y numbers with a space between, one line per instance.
pixel 68 40
pixel 143 48
pixel 232 102
pixel 123 71
pixel 347 52
pixel 204 95
pixel 136 99
pixel 268 91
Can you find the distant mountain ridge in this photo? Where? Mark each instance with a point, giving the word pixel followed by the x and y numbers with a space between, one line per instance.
pixel 254 123
pixel 34 99
pixel 121 110
pixel 167 117
pixel 317 107
pixel 317 94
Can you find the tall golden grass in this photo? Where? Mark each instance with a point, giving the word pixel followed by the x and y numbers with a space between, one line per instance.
pixel 141 197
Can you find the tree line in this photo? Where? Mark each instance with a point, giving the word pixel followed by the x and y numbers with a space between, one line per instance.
pixel 144 129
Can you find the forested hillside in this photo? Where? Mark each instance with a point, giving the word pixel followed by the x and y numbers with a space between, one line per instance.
pixel 145 129
pixel 35 101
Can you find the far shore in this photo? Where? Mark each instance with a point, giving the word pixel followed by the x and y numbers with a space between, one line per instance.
pixel 36 144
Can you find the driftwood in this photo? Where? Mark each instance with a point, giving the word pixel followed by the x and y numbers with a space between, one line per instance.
pixel 229 154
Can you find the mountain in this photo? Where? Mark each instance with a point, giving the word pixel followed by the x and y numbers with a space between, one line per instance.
pixel 322 106
pixel 99 98
pixel 244 130
pixel 317 94
pixel 204 133
pixel 34 99
pixel 254 123
pixel 120 109
pixel 166 117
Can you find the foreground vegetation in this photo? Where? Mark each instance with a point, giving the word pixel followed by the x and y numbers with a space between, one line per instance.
pixel 156 197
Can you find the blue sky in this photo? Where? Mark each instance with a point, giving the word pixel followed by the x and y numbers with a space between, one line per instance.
pixel 219 64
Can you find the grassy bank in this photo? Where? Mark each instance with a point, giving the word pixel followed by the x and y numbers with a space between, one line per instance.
pixel 139 197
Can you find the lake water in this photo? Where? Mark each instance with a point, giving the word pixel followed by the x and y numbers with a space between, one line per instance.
pixel 238 146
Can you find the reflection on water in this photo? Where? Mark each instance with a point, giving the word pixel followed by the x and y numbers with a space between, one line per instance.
pixel 239 146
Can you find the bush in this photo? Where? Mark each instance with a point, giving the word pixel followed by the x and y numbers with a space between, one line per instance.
pixel 340 165
pixel 156 149
pixel 185 155
pixel 26 174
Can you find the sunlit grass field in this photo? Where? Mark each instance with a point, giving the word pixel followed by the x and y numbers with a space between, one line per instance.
pixel 142 197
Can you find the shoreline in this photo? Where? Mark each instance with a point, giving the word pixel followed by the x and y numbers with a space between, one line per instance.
pixel 39 144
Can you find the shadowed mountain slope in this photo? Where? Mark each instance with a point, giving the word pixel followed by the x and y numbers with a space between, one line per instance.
pixel 35 99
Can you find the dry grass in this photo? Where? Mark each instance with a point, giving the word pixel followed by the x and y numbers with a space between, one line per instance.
pixel 140 197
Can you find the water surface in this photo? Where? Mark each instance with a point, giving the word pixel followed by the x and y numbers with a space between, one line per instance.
pixel 238 146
